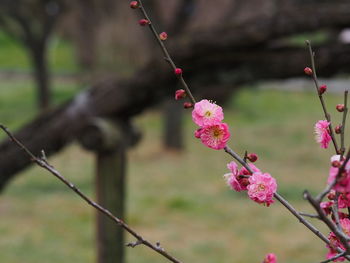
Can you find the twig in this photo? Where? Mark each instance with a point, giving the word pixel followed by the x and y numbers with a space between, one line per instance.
pixel 340 235
pixel 336 212
pixel 309 215
pixel 333 258
pixel 320 96
pixel 345 112
pixel 329 187
pixel 166 53
pixel 44 164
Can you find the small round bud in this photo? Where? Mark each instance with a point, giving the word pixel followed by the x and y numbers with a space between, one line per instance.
pixel 179 94
pixel 322 89
pixel 188 105
pixel 340 107
pixel 331 195
pixel 134 4
pixel 338 129
pixel 163 36
pixel 197 133
pixel 144 22
pixel 253 157
pixel 178 71
pixel 336 164
pixel 308 71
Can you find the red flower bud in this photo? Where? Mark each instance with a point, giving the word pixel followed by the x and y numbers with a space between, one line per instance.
pixel 331 195
pixel 340 107
pixel 179 94
pixel 197 133
pixel 253 157
pixel 338 129
pixel 322 89
pixel 163 36
pixel 336 164
pixel 178 71
pixel 134 4
pixel 144 22
pixel 308 71
pixel 188 105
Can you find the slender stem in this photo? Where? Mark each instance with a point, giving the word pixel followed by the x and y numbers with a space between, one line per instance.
pixel 309 215
pixel 336 212
pixel 165 52
pixel 329 187
pixel 280 199
pixel 344 239
pixel 44 164
pixel 342 134
pixel 334 258
pixel 320 96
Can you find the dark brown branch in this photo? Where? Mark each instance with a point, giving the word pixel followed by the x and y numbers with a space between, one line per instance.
pixel 320 96
pixel 44 164
pixel 342 134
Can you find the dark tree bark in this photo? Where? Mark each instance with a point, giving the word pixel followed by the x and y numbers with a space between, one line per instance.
pixel 124 99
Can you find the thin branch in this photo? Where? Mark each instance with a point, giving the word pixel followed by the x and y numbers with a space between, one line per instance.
pixel 334 258
pixel 44 164
pixel 166 53
pixel 342 134
pixel 320 96
pixel 329 187
pixel 336 212
pixel 309 215
pixel 344 239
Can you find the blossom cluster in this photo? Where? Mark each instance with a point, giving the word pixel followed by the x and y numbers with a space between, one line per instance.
pixel 212 131
pixel 334 241
pixel 260 187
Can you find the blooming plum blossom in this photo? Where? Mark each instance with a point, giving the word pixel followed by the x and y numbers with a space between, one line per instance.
pixel 334 241
pixel 270 258
pixel 235 179
pixel 215 136
pixel 207 113
pixel 322 133
pixel 261 188
pixel 343 184
pixel 327 206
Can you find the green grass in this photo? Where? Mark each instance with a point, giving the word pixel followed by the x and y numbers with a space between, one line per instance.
pixel 13 55
pixel 178 199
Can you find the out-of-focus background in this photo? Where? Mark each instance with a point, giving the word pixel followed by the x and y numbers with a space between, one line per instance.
pixel 68 66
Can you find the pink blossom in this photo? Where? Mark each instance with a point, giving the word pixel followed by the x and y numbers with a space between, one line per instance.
pixel 235 179
pixel 343 184
pixel 215 136
pixel 270 258
pixel 327 206
pixel 322 133
pixel 207 113
pixel 344 200
pixel 261 188
pixel 334 241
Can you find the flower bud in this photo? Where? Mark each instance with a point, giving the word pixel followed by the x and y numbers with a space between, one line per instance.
pixel 178 71
pixel 308 71
pixel 188 105
pixel 134 4
pixel 338 129
pixel 163 36
pixel 144 22
pixel 322 89
pixel 336 164
pixel 197 133
pixel 179 94
pixel 331 195
pixel 340 107
pixel 253 157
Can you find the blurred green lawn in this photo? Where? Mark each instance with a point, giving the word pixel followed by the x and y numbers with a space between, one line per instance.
pixel 178 199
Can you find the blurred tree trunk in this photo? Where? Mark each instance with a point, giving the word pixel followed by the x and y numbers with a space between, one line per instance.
pixel 173 125
pixel 38 55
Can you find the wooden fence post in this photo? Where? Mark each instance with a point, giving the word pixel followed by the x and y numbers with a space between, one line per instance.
pixel 109 140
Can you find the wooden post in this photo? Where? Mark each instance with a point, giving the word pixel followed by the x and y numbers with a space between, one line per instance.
pixel 109 141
